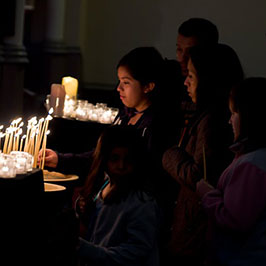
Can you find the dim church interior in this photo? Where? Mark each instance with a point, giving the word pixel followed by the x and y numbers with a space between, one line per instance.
pixel 32 58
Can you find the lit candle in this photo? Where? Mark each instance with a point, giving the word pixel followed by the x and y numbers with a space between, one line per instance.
pixel 43 127
pixel 31 122
pixel 17 121
pixel 36 149
pixel 39 136
pixel 71 86
pixel 10 143
pixel 45 132
pixel 1 136
pixel 31 143
pixel 21 142
pixel 40 131
pixel 6 140
pixel 16 141
pixel 44 149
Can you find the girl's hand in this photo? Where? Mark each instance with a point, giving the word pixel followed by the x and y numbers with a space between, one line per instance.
pixel 50 160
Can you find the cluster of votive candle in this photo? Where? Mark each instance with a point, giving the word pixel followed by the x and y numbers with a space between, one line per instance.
pixel 16 148
pixel 83 110
pixel 17 162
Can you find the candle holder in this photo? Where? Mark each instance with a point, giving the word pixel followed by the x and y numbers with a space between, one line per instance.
pixel 7 166
pixel 24 161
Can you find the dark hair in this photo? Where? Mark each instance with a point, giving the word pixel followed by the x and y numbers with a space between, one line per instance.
pixel 171 93
pixel 173 86
pixel 248 99
pixel 218 70
pixel 112 137
pixel 204 31
pixel 145 64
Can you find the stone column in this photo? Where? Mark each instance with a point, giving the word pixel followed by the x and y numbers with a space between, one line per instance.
pixel 51 44
pixel 61 49
pixel 54 47
pixel 55 24
pixel 13 67
pixel 72 38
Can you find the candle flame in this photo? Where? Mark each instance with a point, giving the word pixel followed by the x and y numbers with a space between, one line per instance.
pixel 18 120
pixel 32 119
pixel 51 111
pixel 49 117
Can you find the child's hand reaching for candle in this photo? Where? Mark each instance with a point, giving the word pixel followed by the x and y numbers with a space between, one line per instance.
pixel 51 158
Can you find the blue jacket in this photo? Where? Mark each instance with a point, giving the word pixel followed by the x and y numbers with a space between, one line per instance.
pixel 124 233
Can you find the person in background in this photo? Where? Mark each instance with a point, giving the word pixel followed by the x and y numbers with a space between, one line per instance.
pixel 192 32
pixel 119 214
pixel 236 208
pixel 212 72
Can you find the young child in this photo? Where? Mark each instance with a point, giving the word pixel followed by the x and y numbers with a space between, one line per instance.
pixel 116 207
pixel 236 208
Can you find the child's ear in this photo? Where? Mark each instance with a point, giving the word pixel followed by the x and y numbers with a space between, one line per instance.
pixel 149 87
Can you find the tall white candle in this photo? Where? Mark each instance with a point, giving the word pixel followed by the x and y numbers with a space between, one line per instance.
pixel 21 142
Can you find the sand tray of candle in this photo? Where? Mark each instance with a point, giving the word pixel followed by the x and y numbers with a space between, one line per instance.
pixel 56 176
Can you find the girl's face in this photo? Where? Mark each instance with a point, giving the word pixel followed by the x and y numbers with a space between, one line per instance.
pixel 191 81
pixel 235 122
pixel 119 163
pixel 132 93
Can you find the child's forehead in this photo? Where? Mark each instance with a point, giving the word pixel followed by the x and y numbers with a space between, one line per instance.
pixel 120 149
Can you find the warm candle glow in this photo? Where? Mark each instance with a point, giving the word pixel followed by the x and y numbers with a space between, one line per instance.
pixel 1 136
pixel 71 86
pixel 21 142
pixel 14 143
pixel 51 111
pixel 18 120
